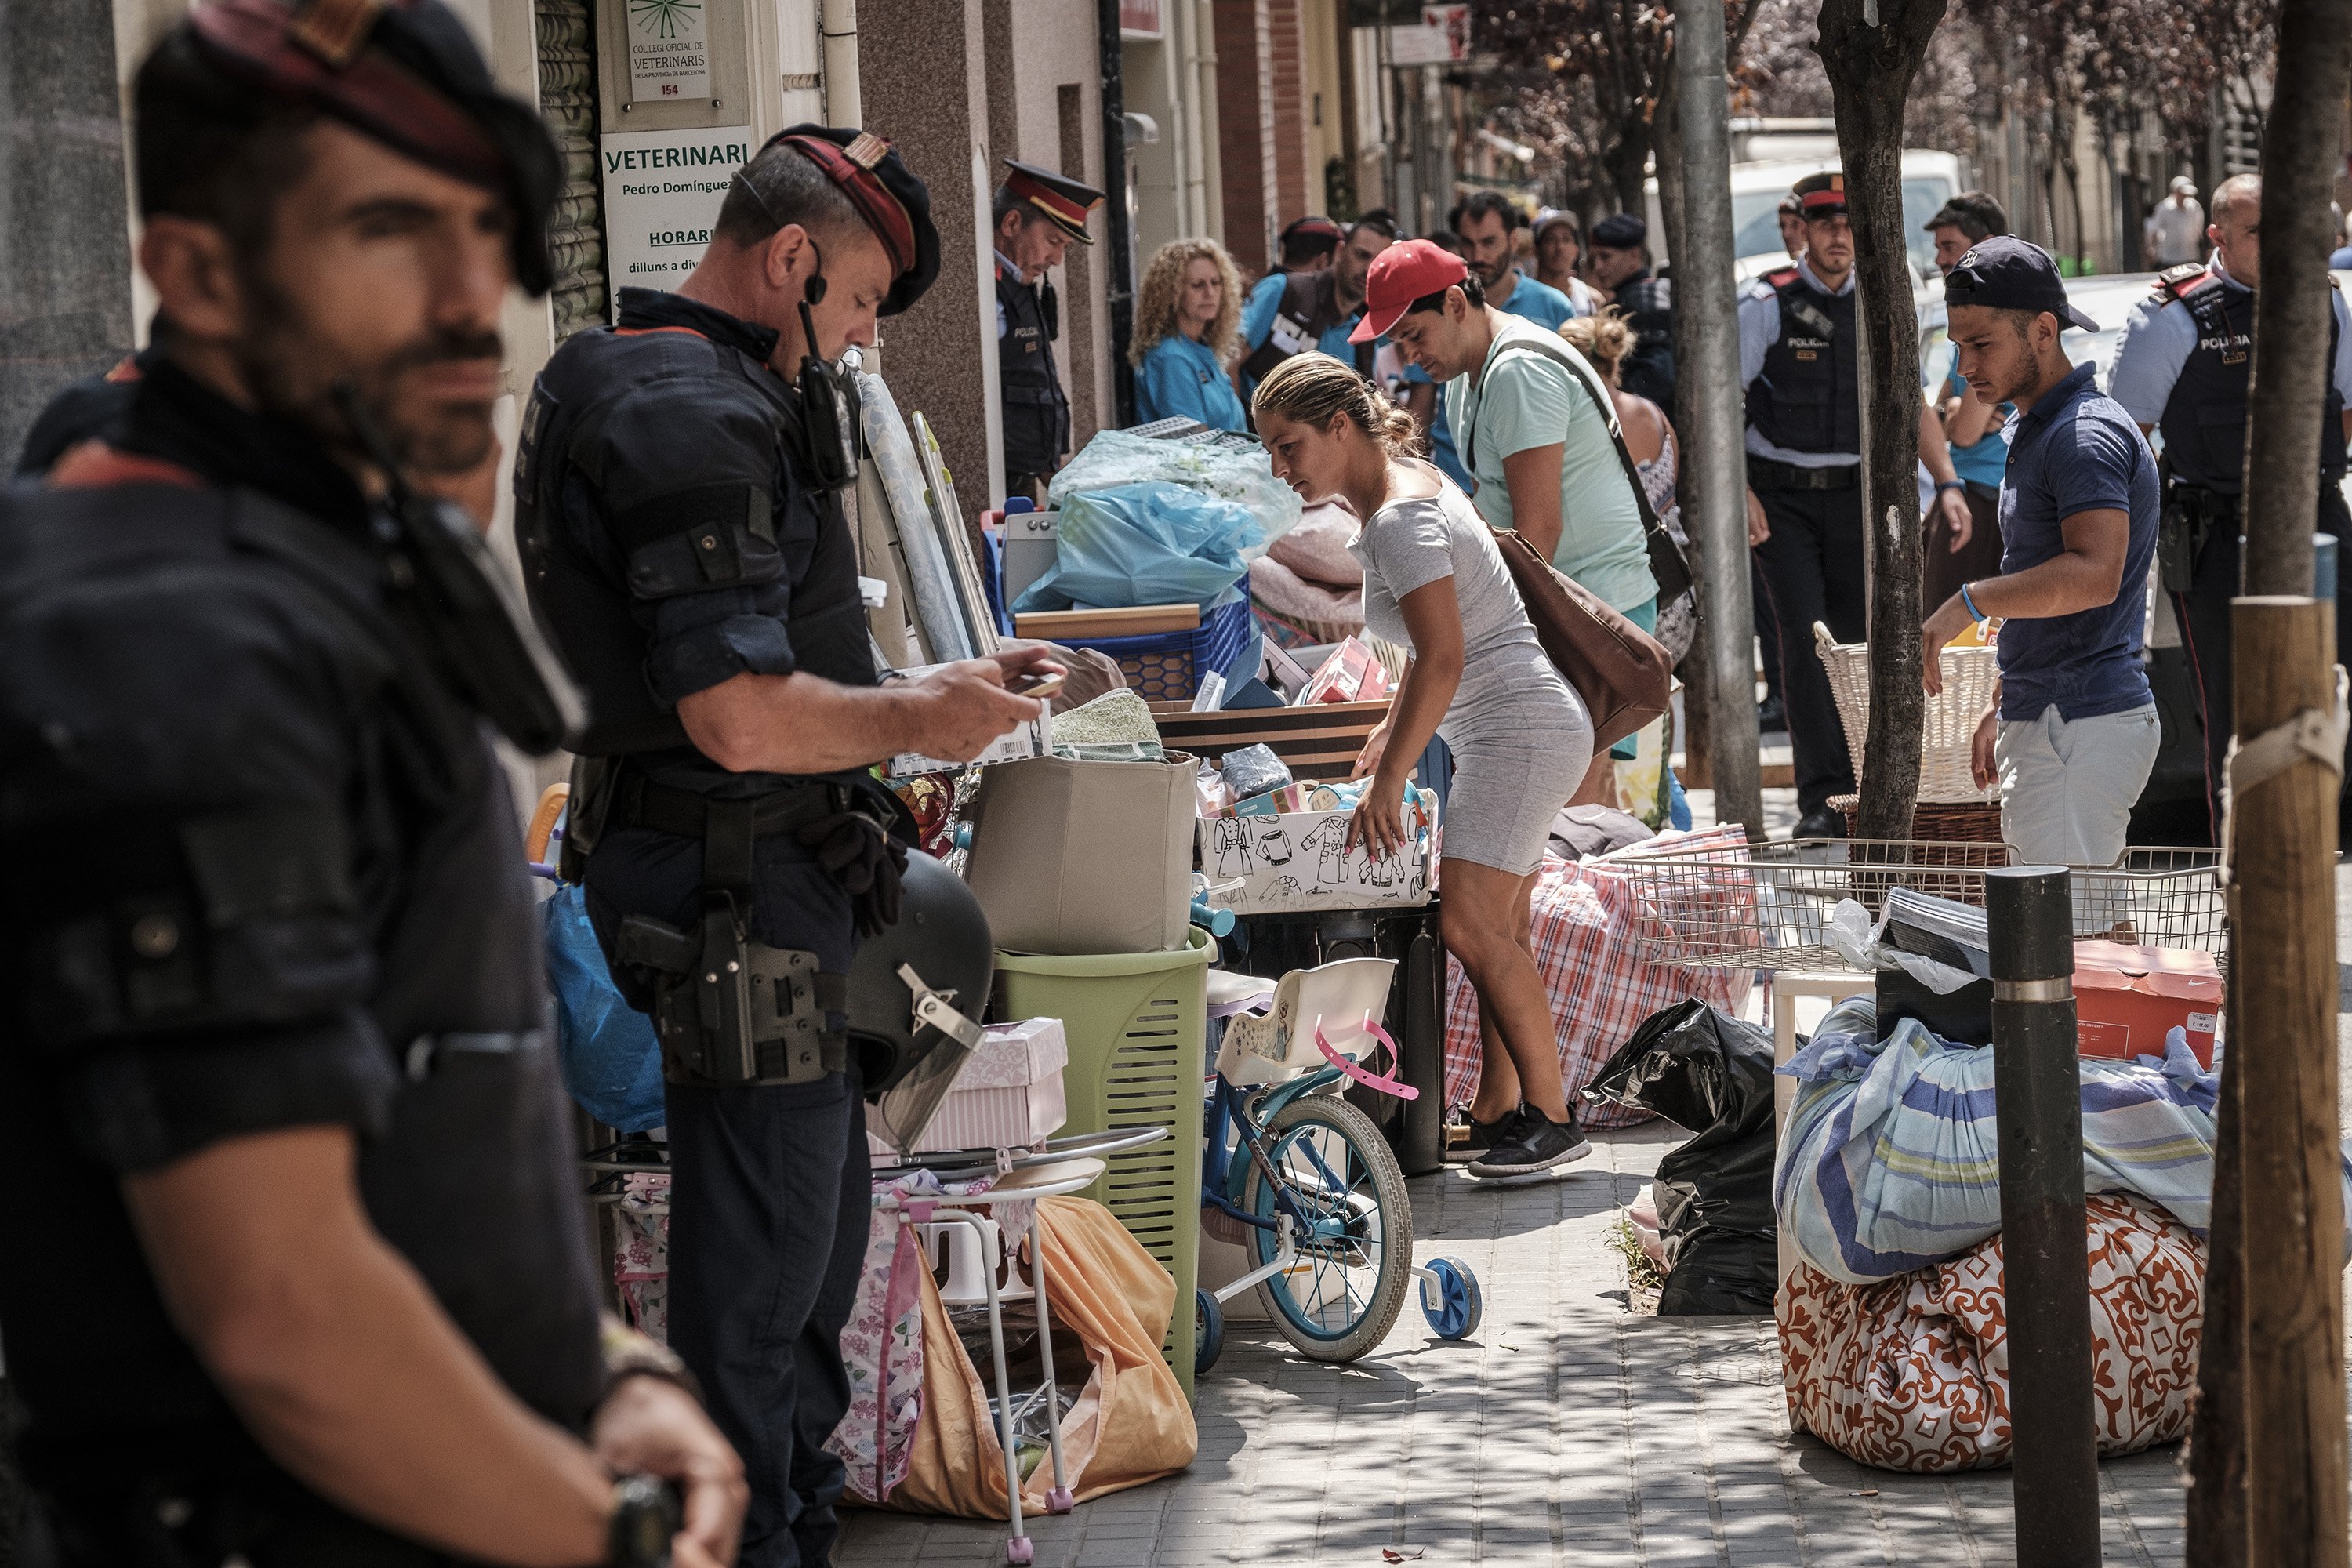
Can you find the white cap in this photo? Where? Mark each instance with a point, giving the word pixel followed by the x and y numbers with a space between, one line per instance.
pixel 2182 185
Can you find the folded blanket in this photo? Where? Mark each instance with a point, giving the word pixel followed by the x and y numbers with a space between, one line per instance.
pixel 1890 1161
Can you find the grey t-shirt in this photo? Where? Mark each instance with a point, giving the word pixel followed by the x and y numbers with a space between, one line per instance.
pixel 1511 695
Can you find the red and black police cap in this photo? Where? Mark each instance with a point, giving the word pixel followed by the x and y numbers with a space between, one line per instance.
pixel 1065 201
pixel 896 205
pixel 1821 195
pixel 404 73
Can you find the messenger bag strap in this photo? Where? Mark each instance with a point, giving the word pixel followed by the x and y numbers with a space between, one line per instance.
pixel 1667 564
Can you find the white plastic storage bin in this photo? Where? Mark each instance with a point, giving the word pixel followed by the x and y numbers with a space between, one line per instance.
pixel 1008 1095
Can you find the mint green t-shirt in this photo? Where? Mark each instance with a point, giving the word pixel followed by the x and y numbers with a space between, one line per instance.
pixel 1526 401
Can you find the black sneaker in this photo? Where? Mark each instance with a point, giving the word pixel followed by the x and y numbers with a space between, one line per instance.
pixel 1537 1143
pixel 1483 1136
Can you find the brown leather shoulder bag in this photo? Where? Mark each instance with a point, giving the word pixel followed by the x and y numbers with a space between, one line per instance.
pixel 1624 675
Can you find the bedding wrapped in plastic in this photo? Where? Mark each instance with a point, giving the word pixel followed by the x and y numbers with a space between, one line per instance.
pixel 1912 1373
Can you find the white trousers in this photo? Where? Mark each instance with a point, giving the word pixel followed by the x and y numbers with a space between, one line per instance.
pixel 2067 786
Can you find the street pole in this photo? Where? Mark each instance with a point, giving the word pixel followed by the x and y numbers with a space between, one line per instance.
pixel 1717 514
pixel 2038 1107
pixel 1118 261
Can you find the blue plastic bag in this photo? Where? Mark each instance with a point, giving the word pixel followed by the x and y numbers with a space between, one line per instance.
pixel 1152 544
pixel 609 1059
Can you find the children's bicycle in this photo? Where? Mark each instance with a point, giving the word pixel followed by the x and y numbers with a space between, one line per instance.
pixel 1304 1181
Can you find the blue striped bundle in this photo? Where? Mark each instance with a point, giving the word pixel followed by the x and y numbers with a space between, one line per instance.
pixel 1890 1161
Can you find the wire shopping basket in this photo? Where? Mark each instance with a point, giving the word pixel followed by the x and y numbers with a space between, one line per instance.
pixel 1767 906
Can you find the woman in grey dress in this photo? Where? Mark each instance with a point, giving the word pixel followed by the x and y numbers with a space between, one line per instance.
pixel 1435 584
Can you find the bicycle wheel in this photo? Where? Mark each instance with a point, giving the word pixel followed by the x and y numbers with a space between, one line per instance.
pixel 1354 1266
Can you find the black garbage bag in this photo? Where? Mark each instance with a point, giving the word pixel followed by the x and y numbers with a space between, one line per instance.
pixel 1709 1071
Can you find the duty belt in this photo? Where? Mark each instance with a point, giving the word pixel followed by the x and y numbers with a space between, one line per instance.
pixel 1764 474
pixel 731 1011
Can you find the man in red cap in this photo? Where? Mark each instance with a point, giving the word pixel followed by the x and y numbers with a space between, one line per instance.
pixel 313 1281
pixel 1038 214
pixel 677 507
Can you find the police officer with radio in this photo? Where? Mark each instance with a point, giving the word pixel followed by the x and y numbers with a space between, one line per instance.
pixel 1038 214
pixel 677 507
pixel 313 1284
pixel 2184 367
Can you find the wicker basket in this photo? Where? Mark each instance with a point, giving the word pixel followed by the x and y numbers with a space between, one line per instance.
pixel 1937 822
pixel 1949 727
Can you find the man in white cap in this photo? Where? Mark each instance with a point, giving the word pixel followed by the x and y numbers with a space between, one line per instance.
pixel 2175 231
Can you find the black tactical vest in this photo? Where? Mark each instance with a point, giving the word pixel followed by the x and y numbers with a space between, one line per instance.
pixel 596 547
pixel 1809 396
pixel 1037 411
pixel 2204 421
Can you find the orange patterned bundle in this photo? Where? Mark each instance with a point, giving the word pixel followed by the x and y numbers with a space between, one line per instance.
pixel 1912 1373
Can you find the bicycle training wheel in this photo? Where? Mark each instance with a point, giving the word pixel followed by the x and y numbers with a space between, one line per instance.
pixel 1341 1295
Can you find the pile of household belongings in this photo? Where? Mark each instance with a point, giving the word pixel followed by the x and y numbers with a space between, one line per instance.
pixel 1893 1336
pixel 1306 588
pixel 1586 931
pixel 920 1436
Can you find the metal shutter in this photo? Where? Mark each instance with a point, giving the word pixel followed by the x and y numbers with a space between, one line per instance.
pixel 567 97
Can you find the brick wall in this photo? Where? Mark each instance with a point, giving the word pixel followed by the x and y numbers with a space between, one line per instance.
pixel 1245 125
pixel 1294 180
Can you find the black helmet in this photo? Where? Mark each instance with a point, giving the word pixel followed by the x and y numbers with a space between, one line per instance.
pixel 920 986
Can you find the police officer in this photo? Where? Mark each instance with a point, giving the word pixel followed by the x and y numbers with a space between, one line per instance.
pixel 2184 365
pixel 678 509
pixel 1621 264
pixel 312 1282
pixel 1038 213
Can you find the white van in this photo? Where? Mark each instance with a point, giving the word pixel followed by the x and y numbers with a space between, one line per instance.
pixel 1929 180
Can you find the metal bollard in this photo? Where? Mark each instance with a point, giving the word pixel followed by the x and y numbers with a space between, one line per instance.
pixel 2055 1453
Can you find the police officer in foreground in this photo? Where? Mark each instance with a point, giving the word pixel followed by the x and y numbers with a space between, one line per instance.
pixel 312 1280
pixel 677 506
pixel 2184 365
pixel 1038 213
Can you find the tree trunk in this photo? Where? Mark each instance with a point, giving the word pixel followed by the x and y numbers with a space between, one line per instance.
pixel 2282 1034
pixel 1872 50
pixel 1627 166
pixel 2216 1435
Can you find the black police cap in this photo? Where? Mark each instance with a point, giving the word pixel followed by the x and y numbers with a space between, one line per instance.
pixel 1620 231
pixel 1821 195
pixel 896 205
pixel 404 73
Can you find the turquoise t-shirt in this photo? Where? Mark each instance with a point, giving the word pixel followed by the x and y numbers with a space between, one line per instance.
pixel 1526 401
pixel 1542 303
pixel 1988 461
pixel 1180 377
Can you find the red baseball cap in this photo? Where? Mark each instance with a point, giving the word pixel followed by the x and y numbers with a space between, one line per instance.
pixel 1400 275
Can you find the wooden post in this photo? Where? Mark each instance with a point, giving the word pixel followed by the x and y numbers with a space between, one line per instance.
pixel 1872 50
pixel 2283 1044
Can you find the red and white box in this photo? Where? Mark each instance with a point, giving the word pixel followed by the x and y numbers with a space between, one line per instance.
pixel 1009 1096
pixel 2125 998
pixel 1351 674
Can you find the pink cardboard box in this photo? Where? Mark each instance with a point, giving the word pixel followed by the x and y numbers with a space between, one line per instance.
pixel 1008 1095
pixel 2125 998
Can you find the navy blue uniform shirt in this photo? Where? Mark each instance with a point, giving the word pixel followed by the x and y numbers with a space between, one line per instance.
pixel 2076 450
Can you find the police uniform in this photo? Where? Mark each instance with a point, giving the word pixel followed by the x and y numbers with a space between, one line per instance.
pixel 2183 365
pixel 678 528
pixel 1036 412
pixel 93 408
pixel 1798 367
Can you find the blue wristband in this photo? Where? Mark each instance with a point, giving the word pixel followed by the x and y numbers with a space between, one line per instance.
pixel 1970 604
pixel 1943 485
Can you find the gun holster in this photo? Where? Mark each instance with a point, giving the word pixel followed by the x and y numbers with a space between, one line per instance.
pixel 595 781
pixel 730 1011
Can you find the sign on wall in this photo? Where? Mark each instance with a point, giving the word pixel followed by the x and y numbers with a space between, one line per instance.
pixel 662 191
pixel 1442 37
pixel 669 51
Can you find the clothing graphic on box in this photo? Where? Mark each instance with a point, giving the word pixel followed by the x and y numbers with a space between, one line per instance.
pixel 1230 836
pixel 1332 840
pixel 1273 847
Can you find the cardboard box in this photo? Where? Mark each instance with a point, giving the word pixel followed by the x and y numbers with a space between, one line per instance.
pixel 1084 857
pixel 1295 861
pixel 1031 738
pixel 1351 675
pixel 2126 997
pixel 1008 1095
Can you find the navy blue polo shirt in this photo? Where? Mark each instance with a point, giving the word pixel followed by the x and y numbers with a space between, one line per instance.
pixel 2076 450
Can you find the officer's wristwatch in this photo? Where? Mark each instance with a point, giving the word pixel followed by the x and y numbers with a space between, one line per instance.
pixel 645 1514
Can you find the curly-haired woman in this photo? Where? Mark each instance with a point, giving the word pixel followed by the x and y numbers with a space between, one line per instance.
pixel 1187 331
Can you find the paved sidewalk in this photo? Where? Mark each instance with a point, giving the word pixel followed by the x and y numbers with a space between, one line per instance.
pixel 1565 1432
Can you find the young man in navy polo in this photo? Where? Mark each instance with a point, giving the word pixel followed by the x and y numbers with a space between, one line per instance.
pixel 2072 732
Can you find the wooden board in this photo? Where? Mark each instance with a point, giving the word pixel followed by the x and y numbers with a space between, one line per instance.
pixel 1318 741
pixel 1135 622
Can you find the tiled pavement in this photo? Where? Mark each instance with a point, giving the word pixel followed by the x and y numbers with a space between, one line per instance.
pixel 1565 1432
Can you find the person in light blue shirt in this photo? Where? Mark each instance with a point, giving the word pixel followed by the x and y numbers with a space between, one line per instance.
pixel 1187 331
pixel 1483 227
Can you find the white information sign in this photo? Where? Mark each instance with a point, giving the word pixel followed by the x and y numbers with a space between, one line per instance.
pixel 669 51
pixel 662 191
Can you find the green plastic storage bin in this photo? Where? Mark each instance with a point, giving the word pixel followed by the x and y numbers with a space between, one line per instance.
pixel 1137 1024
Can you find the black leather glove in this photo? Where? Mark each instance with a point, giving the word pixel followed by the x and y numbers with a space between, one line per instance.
pixel 865 860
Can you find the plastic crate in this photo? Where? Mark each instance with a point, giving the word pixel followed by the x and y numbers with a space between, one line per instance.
pixel 1167 666
pixel 1137 1027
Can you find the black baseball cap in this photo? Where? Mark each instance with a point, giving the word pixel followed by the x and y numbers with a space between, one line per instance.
pixel 2005 273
